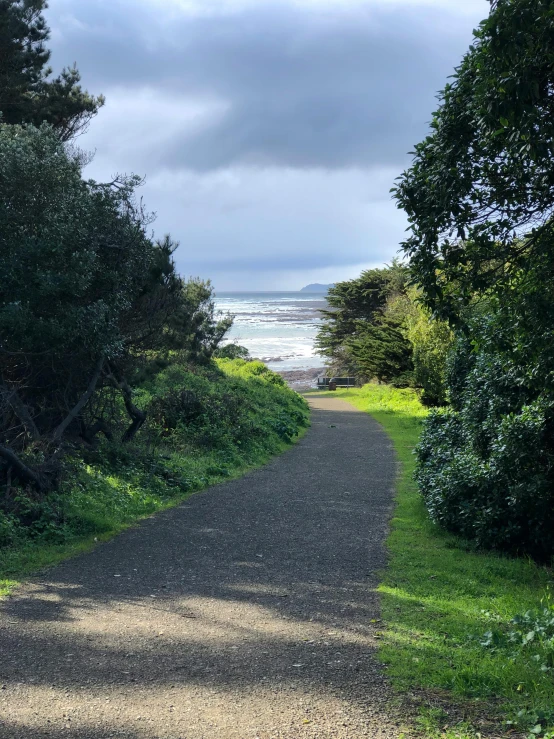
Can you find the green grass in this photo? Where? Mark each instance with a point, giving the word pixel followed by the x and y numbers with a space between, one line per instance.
pixel 438 596
pixel 244 416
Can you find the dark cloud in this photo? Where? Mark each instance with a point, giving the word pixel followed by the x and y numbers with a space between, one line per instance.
pixel 269 136
pixel 303 88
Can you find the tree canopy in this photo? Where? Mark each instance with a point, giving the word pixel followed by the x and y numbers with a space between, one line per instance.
pixel 484 174
pixel 28 93
pixel 354 305
pixel 480 200
pixel 86 297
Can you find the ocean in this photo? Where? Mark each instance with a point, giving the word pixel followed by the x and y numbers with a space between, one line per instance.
pixel 277 327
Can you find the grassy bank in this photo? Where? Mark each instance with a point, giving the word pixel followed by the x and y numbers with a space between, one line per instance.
pixel 205 425
pixel 449 610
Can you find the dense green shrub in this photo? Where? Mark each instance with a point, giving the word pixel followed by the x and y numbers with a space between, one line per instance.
pixel 431 340
pixel 486 465
pixel 207 422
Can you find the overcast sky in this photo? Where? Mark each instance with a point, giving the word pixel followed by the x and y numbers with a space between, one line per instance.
pixel 269 132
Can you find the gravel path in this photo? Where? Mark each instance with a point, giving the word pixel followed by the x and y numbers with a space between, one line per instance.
pixel 249 611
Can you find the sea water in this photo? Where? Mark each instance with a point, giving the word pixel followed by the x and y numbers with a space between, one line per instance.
pixel 277 327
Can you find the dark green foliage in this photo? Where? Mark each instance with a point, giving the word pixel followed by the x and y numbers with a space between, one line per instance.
pixel 355 307
pixel 232 351
pixel 27 93
pixel 206 422
pixel 194 326
pixel 485 171
pixel 349 302
pixel 480 199
pixel 485 466
pixel 87 302
pixel 382 351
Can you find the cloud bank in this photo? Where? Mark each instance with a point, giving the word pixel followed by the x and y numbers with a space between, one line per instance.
pixel 270 133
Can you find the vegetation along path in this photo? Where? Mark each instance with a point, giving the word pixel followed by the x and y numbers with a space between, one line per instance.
pixel 249 611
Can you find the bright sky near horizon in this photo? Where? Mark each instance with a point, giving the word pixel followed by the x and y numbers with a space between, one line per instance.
pixel 269 132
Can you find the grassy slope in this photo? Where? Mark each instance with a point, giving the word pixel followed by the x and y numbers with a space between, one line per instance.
pixel 438 594
pixel 96 501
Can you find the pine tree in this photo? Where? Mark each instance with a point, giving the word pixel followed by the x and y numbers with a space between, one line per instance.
pixel 27 93
pixel 383 352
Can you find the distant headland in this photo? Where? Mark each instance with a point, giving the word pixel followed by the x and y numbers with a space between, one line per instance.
pixel 316 287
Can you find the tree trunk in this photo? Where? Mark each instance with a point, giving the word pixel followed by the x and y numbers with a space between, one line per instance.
pixel 138 417
pixel 88 433
pixel 20 410
pixel 39 481
pixel 83 400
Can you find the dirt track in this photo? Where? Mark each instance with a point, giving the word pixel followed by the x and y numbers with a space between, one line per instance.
pixel 249 611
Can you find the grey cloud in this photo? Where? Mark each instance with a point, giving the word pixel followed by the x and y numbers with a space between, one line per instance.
pixel 288 183
pixel 305 89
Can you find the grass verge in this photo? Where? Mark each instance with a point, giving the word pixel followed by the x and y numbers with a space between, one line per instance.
pixel 449 611
pixel 207 425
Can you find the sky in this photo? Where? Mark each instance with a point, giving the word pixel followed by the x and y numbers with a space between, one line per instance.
pixel 269 132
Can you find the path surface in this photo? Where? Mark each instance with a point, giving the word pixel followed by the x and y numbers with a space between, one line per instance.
pixel 246 612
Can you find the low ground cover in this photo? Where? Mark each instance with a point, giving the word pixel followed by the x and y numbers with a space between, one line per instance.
pixel 206 424
pixel 459 623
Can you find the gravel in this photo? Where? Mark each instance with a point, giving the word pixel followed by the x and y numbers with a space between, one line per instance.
pixel 248 612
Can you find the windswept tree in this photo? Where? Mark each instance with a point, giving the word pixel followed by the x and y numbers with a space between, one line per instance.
pixel 85 295
pixel 356 308
pixel 28 92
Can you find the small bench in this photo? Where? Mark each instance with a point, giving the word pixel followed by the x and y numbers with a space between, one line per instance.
pixel 323 382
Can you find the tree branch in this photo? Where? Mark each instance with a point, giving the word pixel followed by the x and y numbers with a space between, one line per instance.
pixel 138 417
pixel 24 473
pixel 20 410
pixel 83 400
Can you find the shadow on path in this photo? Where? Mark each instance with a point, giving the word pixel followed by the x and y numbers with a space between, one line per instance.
pixel 249 611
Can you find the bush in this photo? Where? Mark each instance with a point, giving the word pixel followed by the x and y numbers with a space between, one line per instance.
pixel 207 422
pixel 431 340
pixel 486 465
pixel 231 351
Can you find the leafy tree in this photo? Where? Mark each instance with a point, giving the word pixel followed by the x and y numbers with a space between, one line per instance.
pixel 485 171
pixel 85 295
pixel 383 352
pixel 28 94
pixel 202 329
pixel 480 197
pixel 353 305
pixel 431 340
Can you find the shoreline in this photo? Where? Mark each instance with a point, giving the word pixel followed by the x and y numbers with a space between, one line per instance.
pixel 305 379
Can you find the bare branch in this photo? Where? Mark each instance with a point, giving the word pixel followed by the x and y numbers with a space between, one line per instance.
pixel 23 472
pixel 20 410
pixel 83 400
